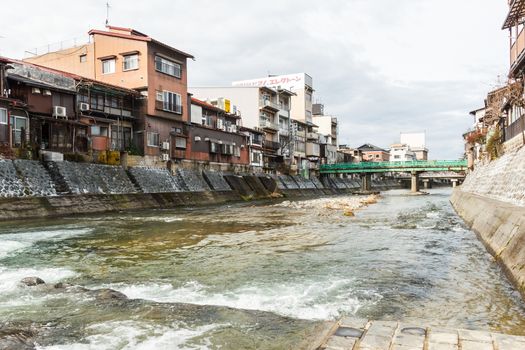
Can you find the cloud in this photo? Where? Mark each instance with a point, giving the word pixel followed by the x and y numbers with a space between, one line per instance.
pixel 382 67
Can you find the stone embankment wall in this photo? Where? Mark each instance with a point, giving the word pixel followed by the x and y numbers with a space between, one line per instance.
pixel 492 203
pixel 30 189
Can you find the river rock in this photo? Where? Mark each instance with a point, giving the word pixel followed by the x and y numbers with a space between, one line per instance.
pixel 32 281
pixel 108 294
pixel 16 339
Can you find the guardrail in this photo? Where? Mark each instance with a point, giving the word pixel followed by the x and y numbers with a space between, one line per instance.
pixel 377 167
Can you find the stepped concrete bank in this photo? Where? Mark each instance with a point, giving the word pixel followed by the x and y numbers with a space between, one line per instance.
pixel 492 203
pixel 30 189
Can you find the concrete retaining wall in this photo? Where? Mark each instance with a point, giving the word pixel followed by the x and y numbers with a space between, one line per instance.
pixel 500 226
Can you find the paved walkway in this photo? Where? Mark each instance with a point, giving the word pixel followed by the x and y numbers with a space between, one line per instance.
pixel 358 334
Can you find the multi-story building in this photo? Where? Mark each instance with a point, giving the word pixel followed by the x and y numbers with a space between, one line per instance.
pixel 62 112
pixel 301 110
pixel 133 60
pixel 400 152
pixel 328 134
pixel 214 138
pixel 416 142
pixel 373 153
pixel 263 109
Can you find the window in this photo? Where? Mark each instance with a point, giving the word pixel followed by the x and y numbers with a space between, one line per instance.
pixel 108 66
pixel 227 149
pixel 130 62
pixel 180 142
pixel 256 157
pixel 214 147
pixel 20 129
pixel 153 139
pixel 83 58
pixel 168 67
pixel 97 130
pixel 3 116
pixel 171 101
pixel 237 151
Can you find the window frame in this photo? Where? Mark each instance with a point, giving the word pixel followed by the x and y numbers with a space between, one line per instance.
pixel 114 65
pixel 180 146
pixel 126 59
pixel 6 117
pixel 151 134
pixel 170 99
pixel 82 58
pixel 161 62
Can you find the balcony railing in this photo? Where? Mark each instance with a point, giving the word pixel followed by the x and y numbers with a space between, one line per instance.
pixel 284 132
pixel 266 124
pixel 271 145
pixel 515 128
pixel 517 48
pixel 269 104
pixel 312 136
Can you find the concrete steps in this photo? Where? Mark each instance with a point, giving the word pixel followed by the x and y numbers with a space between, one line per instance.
pixel 362 334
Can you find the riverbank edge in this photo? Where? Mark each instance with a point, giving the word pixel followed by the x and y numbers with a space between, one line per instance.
pixel 501 228
pixel 72 205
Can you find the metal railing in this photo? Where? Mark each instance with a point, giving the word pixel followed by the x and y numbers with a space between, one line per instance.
pixel 514 129
pixel 267 103
pixel 266 124
pixel 378 167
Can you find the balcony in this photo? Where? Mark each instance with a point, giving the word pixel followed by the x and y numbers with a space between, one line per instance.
pixel 312 136
pixel 269 105
pixel 271 145
pixel 312 149
pixel 266 124
pixel 284 113
pixel 284 132
pixel 516 51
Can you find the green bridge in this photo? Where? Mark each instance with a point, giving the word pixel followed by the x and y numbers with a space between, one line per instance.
pixel 365 169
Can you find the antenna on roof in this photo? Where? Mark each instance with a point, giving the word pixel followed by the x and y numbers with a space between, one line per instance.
pixel 107 13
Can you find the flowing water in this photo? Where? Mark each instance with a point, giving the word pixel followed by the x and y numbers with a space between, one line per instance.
pixel 273 271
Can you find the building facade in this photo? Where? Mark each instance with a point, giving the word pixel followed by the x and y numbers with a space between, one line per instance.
pixel 400 152
pixel 262 109
pixel 214 137
pixel 301 111
pixel 127 58
pixel 371 153
pixel 416 141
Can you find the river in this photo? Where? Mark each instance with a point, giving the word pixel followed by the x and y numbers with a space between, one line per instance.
pixel 293 263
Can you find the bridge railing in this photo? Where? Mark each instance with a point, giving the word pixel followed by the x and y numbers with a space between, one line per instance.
pixel 419 164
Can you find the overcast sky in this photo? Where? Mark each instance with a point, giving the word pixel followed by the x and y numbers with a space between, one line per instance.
pixel 381 66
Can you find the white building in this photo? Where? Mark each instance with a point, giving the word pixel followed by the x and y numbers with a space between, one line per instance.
pixel 301 84
pixel 416 142
pixel 401 153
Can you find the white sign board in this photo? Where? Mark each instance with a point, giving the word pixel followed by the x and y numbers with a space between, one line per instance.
pixel 289 82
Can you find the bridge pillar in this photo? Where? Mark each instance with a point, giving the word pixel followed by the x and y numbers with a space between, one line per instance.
pixel 415 182
pixel 455 183
pixel 427 183
pixel 366 182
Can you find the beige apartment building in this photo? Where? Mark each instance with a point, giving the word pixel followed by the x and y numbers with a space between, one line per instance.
pixel 130 59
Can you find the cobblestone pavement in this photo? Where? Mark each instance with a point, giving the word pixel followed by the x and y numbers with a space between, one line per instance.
pixel 359 334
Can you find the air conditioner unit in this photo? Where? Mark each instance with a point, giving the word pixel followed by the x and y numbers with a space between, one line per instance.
pixel 83 106
pixel 166 146
pixel 59 112
pixel 165 157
